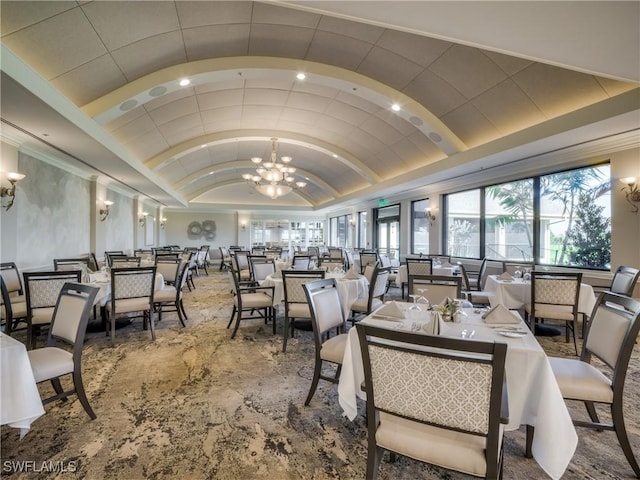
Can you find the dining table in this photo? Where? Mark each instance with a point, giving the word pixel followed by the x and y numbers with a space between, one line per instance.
pixel 20 403
pixel 349 289
pixel 516 293
pixel 534 396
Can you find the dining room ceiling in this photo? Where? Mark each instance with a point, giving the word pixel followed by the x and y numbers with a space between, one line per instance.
pixel 102 81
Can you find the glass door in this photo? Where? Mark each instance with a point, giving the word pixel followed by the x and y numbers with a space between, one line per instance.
pixel 388 230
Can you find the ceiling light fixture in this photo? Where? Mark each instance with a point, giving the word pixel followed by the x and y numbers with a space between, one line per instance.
pixel 184 82
pixel 273 178
pixel 301 76
pixel 395 107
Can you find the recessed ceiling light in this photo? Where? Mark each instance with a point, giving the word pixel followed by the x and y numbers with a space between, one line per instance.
pixel 335 156
pixel 301 76
pixel 184 82
pixel 203 146
pixel 395 107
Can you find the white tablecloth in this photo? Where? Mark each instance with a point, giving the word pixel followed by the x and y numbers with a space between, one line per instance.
pixel 348 289
pixel 534 396
pixel 515 294
pixel 20 402
pixel 402 277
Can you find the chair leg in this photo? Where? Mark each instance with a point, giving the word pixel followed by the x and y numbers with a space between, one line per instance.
pixel 621 432
pixel 272 311
pixel 57 387
pixel 184 313
pixel 314 382
pixel 529 441
pixel 593 415
pixel 78 385
pixel 374 456
pixel 179 311
pixel 285 333
pixel 233 314
pixel 152 325
pixel 238 317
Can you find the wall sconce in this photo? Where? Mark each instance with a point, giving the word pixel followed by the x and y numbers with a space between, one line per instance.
pixel 243 225
pixel 104 212
pixel 429 216
pixel 10 192
pixel 352 222
pixel 631 192
pixel 142 219
pixel 163 222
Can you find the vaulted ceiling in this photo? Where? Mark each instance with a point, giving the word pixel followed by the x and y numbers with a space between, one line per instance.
pixel 115 69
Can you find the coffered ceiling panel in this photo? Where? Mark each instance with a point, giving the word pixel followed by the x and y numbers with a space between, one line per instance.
pixel 376 104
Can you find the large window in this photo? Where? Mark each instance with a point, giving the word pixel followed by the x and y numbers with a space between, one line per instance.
pixel 339 230
pixel 362 230
pixel 387 233
pixel 419 227
pixel 558 219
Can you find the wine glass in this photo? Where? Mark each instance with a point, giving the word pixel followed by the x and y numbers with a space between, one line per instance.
pixel 415 307
pixel 422 299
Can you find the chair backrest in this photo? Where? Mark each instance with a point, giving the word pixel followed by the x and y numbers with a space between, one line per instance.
pixel 293 280
pixel 12 278
pixel 624 280
pixel 70 263
pixel 132 282
pixel 6 311
pixel 301 262
pixel 445 382
pixel 71 313
pixel 258 250
pixel 335 252
pixel 313 252
pixel 419 266
pixel 439 257
pixel 368 272
pixel 368 259
pixel 261 266
pixel 124 261
pixel 241 260
pixel 556 288
pixel 42 288
pixel 378 285
pixel 325 306
pixel 611 334
pixel 436 288
pixel 109 253
pixel 331 263
pixel 466 286
pixel 482 274
pixel 170 268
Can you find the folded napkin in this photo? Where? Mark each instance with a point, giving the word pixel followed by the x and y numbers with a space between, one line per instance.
pixel 500 314
pixel 445 264
pixel 277 274
pixel 390 309
pixel 447 301
pixel 351 274
pixel 505 276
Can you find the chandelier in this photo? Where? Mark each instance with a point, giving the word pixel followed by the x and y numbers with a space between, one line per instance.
pixel 273 178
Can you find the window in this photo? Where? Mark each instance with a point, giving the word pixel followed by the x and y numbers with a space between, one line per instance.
pixel 339 231
pixel 388 230
pixel 559 219
pixel 419 227
pixel 508 220
pixel 362 230
pixel 463 224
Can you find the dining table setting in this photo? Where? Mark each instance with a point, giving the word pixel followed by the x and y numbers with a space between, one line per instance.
pixel 534 397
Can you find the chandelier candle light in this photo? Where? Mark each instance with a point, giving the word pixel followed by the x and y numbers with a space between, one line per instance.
pixel 277 175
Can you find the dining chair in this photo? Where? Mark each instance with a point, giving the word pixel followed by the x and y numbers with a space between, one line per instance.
pixel 41 291
pixel 327 315
pixel 375 294
pixel 296 307
pixel 435 288
pixel 132 291
pixel 241 264
pixel 439 257
pixel 12 314
pixel 77 263
pixel 476 297
pixel 385 261
pixel 188 258
pixel 13 280
pixel 171 295
pixel 417 266
pixel 369 258
pixel 331 263
pixel 261 267
pixel 170 268
pixel 124 261
pixel 225 258
pixel 610 338
pixel 203 258
pixel 251 302
pixel 335 252
pixel 477 280
pixel 300 262
pixel 625 280
pixel 68 325
pixel 435 399
pixel 109 253
pixel 554 296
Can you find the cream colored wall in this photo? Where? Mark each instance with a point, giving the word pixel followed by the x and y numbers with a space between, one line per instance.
pixel 9 219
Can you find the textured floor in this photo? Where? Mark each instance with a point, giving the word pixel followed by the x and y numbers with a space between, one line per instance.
pixel 195 404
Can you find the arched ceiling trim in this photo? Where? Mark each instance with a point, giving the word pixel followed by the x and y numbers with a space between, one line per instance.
pixel 233 181
pixel 249 165
pixel 165 158
pixel 202 72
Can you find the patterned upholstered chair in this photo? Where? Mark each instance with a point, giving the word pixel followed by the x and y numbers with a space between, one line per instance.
pixel 42 290
pixel 296 306
pixel 476 297
pixel 445 407
pixel 171 295
pixel 124 261
pixel 610 337
pixel 251 302
pixel 300 262
pixel 624 280
pixel 241 264
pixel 436 288
pixel 368 258
pixel 14 301
pixel 261 266
pixel 68 325
pixel 132 291
pixel 417 266
pixel 326 315
pixel 512 267
pixel 554 296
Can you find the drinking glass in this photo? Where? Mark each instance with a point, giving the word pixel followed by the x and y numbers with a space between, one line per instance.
pixel 415 307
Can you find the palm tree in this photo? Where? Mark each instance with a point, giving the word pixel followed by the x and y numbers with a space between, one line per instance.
pixel 516 198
